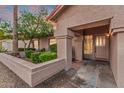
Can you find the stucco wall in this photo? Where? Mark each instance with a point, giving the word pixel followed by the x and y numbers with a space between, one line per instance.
pixel 120 60
pixel 64 50
pixel 44 43
pixel 81 15
pixel 77 46
pixel 32 74
pixel 7 44
pixel 113 56
pixel 117 58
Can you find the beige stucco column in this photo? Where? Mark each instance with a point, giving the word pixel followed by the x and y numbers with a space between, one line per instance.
pixel 117 55
pixel 44 43
pixel 64 49
pixel 78 47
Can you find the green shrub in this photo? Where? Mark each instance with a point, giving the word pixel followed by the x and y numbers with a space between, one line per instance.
pixel 2 49
pixel 23 49
pixel 28 53
pixel 43 50
pixel 46 56
pixel 33 49
pixel 53 48
pixel 35 57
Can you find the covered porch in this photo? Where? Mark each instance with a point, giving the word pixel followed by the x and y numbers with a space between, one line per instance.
pixel 91 44
pixel 87 48
pixel 87 43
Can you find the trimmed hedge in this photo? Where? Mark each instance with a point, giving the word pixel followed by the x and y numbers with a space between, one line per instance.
pixel 43 50
pixel 39 57
pixel 23 49
pixel 28 53
pixel 35 57
pixel 47 56
pixel 53 48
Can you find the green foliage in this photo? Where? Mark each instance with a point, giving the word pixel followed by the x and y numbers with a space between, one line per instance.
pixel 28 53
pixel 23 49
pixel 46 56
pixel 4 26
pixel 53 48
pixel 2 49
pixel 22 37
pixel 35 57
pixel 1 35
pixel 34 25
pixel 4 30
pixel 43 50
pixel 38 57
pixel 8 36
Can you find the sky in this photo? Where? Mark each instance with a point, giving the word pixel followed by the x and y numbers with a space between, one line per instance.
pixel 6 11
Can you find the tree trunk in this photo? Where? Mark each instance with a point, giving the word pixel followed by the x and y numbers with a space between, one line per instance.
pixel 29 43
pixel 38 44
pixel 15 33
pixel 25 44
pixel 32 43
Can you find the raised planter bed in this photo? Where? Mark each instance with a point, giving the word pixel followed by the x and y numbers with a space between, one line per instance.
pixel 32 74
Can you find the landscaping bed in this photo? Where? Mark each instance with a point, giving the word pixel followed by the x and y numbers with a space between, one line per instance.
pixel 31 73
pixel 33 55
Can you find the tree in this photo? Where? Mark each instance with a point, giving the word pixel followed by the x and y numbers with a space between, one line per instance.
pixel 1 35
pixel 34 25
pixel 4 29
pixel 15 33
pixel 4 26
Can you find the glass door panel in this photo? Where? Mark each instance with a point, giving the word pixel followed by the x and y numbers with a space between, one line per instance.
pixel 88 47
pixel 102 47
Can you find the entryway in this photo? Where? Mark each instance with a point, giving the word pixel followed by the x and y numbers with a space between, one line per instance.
pixel 96 47
pixel 94 68
pixel 96 44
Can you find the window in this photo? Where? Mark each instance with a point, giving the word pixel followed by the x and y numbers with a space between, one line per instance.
pixel 100 40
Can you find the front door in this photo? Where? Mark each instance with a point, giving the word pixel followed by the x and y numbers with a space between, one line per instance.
pixel 101 47
pixel 88 47
pixel 96 47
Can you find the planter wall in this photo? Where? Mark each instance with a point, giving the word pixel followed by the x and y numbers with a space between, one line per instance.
pixel 32 74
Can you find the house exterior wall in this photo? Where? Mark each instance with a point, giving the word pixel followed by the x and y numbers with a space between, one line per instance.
pixel 44 43
pixel 113 56
pixel 117 60
pixel 120 59
pixel 81 15
pixel 88 14
pixel 7 44
pixel 78 15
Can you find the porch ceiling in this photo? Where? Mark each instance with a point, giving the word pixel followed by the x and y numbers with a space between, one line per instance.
pixel 90 25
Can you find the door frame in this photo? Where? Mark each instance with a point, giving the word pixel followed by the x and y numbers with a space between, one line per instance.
pixel 94 48
pixel 94 54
